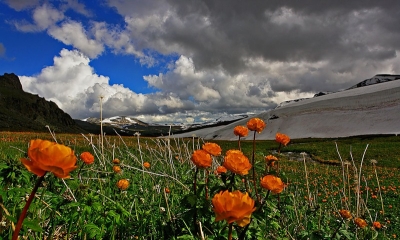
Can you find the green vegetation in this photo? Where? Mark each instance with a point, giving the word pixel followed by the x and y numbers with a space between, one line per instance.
pixel 160 202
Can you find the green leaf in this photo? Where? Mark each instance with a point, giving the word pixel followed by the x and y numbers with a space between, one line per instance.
pixel 33 225
pixel 92 230
pixel 11 218
pixel 190 199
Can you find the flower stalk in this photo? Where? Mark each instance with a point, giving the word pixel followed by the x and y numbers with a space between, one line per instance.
pixel 26 207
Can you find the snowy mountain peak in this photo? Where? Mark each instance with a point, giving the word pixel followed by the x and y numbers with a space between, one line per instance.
pixel 379 78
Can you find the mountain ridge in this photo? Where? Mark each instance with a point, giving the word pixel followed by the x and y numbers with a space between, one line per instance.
pixel 22 111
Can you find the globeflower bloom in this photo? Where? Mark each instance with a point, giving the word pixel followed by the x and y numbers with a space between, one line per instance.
pixel 345 214
pixel 241 131
pixel 116 169
pixel 272 183
pixel 361 223
pixel 236 162
pixel 146 164
pixel 123 184
pixel 377 225
pixel 270 159
pixel 201 158
pixel 87 158
pixel 282 138
pixel 221 169
pixel 45 156
pixel 233 207
pixel 256 124
pixel 212 148
pixel 116 161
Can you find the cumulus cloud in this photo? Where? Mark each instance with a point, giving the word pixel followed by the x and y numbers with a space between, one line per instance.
pixel 74 86
pixel 72 33
pixel 233 57
pixel 346 38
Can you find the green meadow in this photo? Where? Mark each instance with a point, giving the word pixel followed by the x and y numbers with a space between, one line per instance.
pixel 172 199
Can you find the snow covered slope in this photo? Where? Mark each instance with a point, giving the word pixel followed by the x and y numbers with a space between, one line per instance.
pixel 371 109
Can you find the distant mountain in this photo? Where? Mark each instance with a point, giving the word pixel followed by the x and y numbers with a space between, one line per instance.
pixel 129 125
pixel 22 111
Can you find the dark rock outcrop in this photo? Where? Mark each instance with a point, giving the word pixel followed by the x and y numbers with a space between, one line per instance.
pixel 22 111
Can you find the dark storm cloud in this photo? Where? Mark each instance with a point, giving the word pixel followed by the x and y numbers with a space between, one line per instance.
pixel 285 31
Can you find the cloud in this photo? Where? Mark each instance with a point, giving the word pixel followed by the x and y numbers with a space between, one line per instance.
pixel 73 33
pixel 22 4
pixel 74 86
pixel 232 57
pixel 352 41
pixel 44 17
pixel 77 7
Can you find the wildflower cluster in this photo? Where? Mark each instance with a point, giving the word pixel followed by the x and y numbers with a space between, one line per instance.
pixel 231 203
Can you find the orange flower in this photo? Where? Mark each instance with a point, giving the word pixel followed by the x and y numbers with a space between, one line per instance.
pixel 116 161
pixel 212 148
pixel 233 207
pixel 271 160
pixel 361 223
pixel 123 184
pixel 282 138
pixel 377 225
pixel 116 169
pixel 236 162
pixel 345 214
pixel 241 131
pixel 221 169
pixel 87 158
pixel 45 156
pixel 166 190
pixel 272 183
pixel 201 158
pixel 256 124
pixel 146 164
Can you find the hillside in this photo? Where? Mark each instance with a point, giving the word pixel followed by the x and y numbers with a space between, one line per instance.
pixel 22 111
pixel 371 109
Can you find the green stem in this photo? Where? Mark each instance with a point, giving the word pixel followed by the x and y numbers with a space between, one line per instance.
pixel 195 194
pixel 230 231
pixel 26 207
pixel 206 187
pixel 264 201
pixel 253 167
pixel 337 229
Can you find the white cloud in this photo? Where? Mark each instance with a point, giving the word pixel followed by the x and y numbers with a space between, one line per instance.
pixel 46 16
pixel 73 33
pixel 62 82
pixel 74 86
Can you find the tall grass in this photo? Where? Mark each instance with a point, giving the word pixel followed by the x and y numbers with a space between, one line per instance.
pixel 160 204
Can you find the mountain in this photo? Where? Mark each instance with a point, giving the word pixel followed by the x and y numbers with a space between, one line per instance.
pixel 129 125
pixel 379 78
pixel 371 108
pixel 22 111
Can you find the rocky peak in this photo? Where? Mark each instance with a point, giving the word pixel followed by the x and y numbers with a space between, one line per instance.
pixel 10 80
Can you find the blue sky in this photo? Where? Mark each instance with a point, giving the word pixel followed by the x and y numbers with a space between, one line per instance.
pixel 192 61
